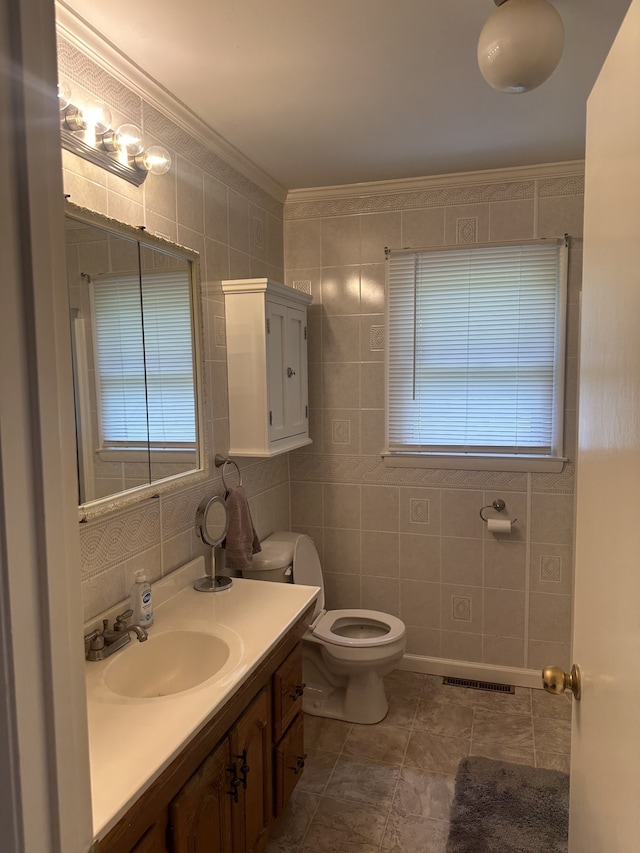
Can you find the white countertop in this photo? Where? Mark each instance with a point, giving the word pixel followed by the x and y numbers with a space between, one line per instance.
pixel 131 741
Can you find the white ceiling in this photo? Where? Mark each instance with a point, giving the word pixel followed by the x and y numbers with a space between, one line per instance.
pixel 325 92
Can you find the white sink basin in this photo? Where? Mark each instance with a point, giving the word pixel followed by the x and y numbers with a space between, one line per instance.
pixel 166 663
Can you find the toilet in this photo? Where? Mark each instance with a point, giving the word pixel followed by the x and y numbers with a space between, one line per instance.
pixel 345 653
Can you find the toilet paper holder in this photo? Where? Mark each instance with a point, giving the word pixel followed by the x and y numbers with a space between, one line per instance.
pixel 498 505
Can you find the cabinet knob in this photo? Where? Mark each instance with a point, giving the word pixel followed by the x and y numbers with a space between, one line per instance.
pixel 299 766
pixel 298 690
pixel 290 372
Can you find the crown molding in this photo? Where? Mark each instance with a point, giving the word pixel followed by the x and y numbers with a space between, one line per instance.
pixel 106 55
pixel 409 185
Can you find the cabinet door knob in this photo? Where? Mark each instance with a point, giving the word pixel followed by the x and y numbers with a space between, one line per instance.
pixel 290 372
pixel 298 690
pixel 299 764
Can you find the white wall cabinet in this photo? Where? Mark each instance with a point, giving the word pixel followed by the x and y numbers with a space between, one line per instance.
pixel 266 329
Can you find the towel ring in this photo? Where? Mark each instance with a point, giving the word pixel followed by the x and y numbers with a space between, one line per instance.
pixel 221 462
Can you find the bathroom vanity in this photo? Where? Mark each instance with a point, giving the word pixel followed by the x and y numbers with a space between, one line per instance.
pixel 213 765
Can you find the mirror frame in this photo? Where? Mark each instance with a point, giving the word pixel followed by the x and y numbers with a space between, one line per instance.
pixel 205 508
pixel 126 499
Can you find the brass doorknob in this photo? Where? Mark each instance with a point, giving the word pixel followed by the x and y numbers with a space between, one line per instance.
pixel 556 680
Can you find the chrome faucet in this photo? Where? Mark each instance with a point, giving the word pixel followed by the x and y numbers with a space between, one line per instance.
pixel 100 644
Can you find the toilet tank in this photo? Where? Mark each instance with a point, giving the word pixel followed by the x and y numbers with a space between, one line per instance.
pixel 273 563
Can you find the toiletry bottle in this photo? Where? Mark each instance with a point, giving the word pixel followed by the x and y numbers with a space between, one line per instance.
pixel 141 603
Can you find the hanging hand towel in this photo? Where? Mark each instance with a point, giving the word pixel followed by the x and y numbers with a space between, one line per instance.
pixel 242 540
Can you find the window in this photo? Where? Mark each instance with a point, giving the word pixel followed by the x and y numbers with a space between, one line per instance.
pixel 144 360
pixel 475 355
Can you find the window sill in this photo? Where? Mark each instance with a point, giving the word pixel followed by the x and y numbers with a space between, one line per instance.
pixel 469 462
pixel 134 454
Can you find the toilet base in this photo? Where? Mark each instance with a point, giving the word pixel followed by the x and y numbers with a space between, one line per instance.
pixel 361 700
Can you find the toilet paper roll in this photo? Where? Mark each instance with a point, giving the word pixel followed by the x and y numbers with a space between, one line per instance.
pixel 499 525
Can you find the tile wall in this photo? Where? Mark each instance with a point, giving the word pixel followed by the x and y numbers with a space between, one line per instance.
pixel 207 205
pixel 410 541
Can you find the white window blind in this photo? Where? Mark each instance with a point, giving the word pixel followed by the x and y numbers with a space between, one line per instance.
pixel 475 355
pixel 144 359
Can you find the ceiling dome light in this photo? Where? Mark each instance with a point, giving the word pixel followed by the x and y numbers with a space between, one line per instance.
pixel 520 44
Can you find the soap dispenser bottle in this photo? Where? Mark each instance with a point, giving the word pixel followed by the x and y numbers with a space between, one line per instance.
pixel 141 603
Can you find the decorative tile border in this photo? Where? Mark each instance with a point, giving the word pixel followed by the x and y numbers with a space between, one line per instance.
pixel 109 541
pixel 436 197
pixel 75 67
pixel 562 483
pixel 567 185
pixel 473 188
pixel 367 470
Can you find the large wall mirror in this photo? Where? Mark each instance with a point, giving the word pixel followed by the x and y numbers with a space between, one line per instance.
pixel 134 308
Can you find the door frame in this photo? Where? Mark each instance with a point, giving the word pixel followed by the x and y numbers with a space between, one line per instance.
pixel 43 722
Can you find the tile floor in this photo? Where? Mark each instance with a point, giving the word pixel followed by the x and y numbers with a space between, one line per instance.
pixel 389 787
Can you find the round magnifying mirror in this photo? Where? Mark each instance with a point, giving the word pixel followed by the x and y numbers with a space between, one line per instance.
pixel 211 520
pixel 211 525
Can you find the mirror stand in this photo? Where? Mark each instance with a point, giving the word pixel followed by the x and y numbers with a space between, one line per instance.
pixel 211 526
pixel 216 581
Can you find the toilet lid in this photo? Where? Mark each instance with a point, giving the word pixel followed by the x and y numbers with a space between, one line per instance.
pixel 307 569
pixel 359 628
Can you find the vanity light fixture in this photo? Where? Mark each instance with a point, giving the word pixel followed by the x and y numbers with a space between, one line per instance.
pixel 520 45
pixel 86 130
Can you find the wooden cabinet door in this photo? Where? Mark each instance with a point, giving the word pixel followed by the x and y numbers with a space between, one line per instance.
pixel 289 761
pixel 251 748
pixel 287 692
pixel 155 838
pixel 200 816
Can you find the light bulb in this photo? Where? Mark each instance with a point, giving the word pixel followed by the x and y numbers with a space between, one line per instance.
pixel 129 139
pixel 520 45
pixel 154 159
pixel 64 94
pixel 97 115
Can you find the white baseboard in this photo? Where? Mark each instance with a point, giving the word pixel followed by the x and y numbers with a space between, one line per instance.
pixel 480 671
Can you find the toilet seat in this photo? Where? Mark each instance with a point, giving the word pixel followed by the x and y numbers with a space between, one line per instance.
pixel 357 628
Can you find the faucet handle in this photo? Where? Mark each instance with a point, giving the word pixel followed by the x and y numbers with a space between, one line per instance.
pixel 120 622
pixel 94 645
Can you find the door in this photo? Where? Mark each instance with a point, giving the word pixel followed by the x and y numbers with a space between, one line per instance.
pixel 287 366
pixel 200 816
pixel 276 367
pixel 296 372
pixel 251 751
pixel 605 761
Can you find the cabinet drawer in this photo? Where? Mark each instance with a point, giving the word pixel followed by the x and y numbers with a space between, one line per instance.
pixel 287 692
pixel 289 761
